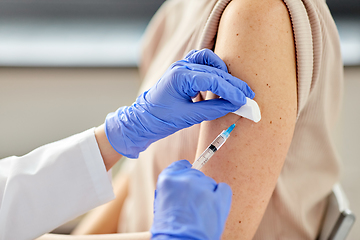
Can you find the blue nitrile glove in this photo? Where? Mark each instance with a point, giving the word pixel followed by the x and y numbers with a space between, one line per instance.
pixel 189 205
pixel 168 107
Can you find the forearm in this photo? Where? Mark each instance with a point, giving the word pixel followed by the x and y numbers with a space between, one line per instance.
pixel 108 153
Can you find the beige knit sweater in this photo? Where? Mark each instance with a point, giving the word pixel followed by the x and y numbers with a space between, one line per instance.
pixel 311 167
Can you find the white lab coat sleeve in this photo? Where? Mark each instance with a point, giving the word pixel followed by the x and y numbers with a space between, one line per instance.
pixel 51 185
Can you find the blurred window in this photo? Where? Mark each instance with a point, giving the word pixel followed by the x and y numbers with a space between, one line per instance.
pixel 73 33
pixel 344 7
pixel 79 8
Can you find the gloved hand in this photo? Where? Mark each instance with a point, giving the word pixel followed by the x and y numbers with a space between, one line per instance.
pixel 168 107
pixel 189 205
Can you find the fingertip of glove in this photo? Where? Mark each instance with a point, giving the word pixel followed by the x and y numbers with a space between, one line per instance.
pixel 179 165
pixel 251 93
pixel 243 100
pixel 191 53
pixel 206 57
pixel 239 101
pixel 236 103
pixel 224 189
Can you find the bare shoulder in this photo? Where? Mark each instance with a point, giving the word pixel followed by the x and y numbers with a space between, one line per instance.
pixel 260 15
pixel 255 39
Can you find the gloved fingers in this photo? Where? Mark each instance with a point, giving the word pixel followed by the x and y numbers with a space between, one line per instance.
pixel 190 53
pixel 178 165
pixel 224 190
pixel 220 87
pixel 181 168
pixel 206 57
pixel 196 70
pixel 196 180
pixel 210 109
pixel 185 179
pixel 207 183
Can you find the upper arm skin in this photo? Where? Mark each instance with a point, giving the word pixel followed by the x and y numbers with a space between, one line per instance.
pixel 255 40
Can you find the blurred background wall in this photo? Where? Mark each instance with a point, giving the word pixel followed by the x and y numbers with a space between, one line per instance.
pixel 346 14
pixel 64 64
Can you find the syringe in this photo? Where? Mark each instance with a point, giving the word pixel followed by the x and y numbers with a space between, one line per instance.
pixel 214 146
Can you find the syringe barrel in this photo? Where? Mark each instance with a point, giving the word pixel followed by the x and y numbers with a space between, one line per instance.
pixel 219 140
pixel 204 157
pixel 209 151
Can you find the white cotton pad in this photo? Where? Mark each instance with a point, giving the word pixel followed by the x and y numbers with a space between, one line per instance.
pixel 250 110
